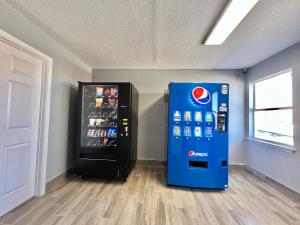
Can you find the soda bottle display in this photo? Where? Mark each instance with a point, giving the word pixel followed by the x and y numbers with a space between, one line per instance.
pixel 177 131
pixel 209 117
pixel 208 132
pixel 187 116
pixel 187 131
pixel 109 132
pixel 177 116
pixel 197 132
pixel 198 116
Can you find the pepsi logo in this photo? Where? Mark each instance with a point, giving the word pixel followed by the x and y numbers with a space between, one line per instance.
pixel 191 153
pixel 197 154
pixel 201 95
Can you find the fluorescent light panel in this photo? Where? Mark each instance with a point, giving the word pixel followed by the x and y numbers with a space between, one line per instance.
pixel 234 13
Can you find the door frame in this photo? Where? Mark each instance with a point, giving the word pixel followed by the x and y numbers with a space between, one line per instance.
pixel 43 132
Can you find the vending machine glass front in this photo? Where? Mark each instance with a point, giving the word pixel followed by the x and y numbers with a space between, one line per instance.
pixel 99 116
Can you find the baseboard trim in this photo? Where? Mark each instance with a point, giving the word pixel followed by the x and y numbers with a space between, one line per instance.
pixel 239 167
pixel 59 178
pixel 274 183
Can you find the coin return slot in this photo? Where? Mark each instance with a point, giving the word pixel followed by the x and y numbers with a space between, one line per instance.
pixel 198 164
pixel 224 163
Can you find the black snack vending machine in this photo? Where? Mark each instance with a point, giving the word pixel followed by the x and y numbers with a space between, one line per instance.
pixel 107 129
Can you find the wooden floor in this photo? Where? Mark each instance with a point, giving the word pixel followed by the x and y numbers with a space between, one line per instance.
pixel 145 199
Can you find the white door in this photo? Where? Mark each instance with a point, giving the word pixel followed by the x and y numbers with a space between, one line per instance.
pixel 20 91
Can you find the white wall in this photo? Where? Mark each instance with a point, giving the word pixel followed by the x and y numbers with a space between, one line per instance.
pixel 63 116
pixel 67 69
pixel 281 166
pixel 152 108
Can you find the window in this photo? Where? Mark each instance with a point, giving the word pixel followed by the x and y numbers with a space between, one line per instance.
pixel 273 109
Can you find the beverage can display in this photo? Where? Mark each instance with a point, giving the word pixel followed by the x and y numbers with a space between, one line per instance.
pixel 187 131
pixel 177 131
pixel 197 132
pixel 208 132
pixel 209 117
pixel 109 132
pixel 177 116
pixel 92 133
pixel 103 133
pixel 198 116
pixel 89 133
pixel 187 116
pixel 97 133
pixel 114 133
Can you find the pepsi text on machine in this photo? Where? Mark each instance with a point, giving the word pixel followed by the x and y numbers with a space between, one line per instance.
pixel 197 154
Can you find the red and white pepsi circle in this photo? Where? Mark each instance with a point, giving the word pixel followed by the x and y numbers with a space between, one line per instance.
pixel 191 153
pixel 201 95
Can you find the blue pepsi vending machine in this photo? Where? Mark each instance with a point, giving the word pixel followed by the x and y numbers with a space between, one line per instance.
pixel 198 135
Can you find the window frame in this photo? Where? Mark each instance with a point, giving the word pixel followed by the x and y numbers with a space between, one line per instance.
pixel 252 109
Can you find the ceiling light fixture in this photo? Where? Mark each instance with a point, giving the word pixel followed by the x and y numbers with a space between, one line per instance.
pixel 233 14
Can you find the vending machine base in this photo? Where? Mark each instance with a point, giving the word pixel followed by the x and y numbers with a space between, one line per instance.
pixel 198 179
pixel 87 168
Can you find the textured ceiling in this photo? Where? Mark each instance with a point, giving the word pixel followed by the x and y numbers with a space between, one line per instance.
pixel 163 34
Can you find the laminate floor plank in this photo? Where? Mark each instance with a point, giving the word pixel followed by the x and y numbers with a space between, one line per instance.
pixel 145 199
